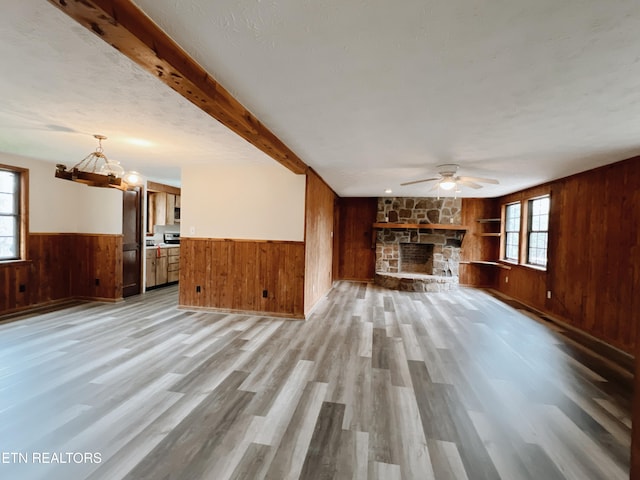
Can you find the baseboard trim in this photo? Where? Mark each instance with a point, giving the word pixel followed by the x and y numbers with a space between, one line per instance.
pixel 37 308
pixel 100 299
pixel 606 351
pixel 52 305
pixel 288 316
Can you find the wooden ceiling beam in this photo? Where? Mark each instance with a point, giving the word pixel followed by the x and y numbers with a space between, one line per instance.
pixel 129 30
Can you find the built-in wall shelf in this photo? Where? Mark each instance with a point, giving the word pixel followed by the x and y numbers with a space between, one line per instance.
pixel 486 263
pixel 432 226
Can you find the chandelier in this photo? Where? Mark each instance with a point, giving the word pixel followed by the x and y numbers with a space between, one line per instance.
pixel 96 170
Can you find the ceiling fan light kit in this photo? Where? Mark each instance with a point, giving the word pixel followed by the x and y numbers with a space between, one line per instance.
pixel 447 184
pixel 449 180
pixel 96 170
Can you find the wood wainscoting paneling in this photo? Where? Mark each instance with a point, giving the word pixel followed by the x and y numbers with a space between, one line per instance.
pixel 60 266
pixel 319 220
pixel 97 270
pixel 15 286
pixel 357 258
pixel 635 418
pixel 593 273
pixel 526 284
pixel 594 252
pixel 234 274
pixel 52 261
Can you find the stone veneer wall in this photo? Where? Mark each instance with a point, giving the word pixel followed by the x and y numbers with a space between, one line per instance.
pixel 446 243
pixel 419 210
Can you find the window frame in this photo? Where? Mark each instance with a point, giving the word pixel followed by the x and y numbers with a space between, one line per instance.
pixel 525 200
pixel 530 231
pixel 505 233
pixel 23 212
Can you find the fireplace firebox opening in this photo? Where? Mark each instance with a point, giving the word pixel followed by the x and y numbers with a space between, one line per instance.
pixel 416 258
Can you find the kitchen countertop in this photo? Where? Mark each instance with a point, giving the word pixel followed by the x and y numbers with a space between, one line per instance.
pixel 163 245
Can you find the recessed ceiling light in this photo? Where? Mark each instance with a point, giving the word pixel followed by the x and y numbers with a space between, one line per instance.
pixel 140 142
pixel 388 190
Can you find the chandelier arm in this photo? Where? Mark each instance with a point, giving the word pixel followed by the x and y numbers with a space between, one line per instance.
pixel 94 164
pixel 83 164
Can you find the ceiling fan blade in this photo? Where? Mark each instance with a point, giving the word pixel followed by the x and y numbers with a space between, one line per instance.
pixel 480 179
pixel 419 181
pixel 468 183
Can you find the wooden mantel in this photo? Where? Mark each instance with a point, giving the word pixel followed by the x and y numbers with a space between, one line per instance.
pixel 416 226
pixel 432 226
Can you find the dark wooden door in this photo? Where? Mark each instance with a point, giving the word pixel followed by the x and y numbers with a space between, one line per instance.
pixel 357 260
pixel 131 249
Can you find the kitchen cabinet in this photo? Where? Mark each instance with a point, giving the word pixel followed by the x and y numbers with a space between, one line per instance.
pixel 173 264
pixel 171 207
pixel 162 208
pixel 162 276
pixel 150 268
pixel 162 266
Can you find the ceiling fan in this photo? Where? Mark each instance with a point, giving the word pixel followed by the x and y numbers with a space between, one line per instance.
pixel 448 179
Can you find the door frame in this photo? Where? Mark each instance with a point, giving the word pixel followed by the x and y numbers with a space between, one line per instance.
pixel 138 287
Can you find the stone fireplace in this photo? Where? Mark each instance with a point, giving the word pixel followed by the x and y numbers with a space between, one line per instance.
pixel 418 255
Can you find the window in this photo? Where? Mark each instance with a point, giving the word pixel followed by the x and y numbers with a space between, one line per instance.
pixel 538 231
pixel 11 220
pixel 526 231
pixel 512 232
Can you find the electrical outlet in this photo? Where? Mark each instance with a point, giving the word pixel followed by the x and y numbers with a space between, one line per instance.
pixel 548 293
pixel 506 279
pixel 198 289
pixel 97 282
pixel 192 230
pixel 265 293
pixel 22 288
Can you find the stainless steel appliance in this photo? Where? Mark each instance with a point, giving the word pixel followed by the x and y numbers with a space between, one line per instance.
pixel 172 238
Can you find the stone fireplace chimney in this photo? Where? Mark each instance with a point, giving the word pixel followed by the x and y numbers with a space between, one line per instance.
pixel 427 251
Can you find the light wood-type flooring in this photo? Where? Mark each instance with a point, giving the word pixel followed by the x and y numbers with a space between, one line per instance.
pixel 377 384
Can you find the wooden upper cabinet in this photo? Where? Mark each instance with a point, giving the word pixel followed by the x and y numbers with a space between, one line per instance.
pixel 171 207
pixel 162 207
pixel 160 214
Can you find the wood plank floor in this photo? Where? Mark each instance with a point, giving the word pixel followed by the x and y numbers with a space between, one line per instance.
pixel 377 384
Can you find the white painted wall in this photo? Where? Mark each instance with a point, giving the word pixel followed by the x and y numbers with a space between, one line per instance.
pixel 259 202
pixel 59 206
pixel 100 210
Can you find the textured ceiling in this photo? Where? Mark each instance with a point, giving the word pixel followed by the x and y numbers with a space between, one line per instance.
pixel 369 93
pixel 61 84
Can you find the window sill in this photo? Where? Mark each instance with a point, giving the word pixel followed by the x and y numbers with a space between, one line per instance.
pixel 14 263
pixel 535 267
pixel 509 262
pixel 525 265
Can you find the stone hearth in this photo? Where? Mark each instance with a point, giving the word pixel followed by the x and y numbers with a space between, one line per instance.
pixel 415 282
